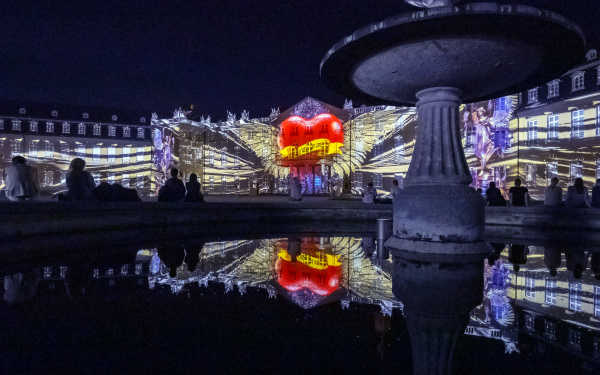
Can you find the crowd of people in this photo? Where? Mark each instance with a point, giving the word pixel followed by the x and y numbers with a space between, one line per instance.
pixel 577 195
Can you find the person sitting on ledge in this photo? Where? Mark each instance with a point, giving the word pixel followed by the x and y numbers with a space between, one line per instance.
pixel 173 190
pixel 494 196
pixel 395 189
pixel 596 194
pixel 295 190
pixel 518 195
pixel 21 181
pixel 80 183
pixel 106 192
pixel 192 190
pixel 577 195
pixel 370 194
pixel 553 194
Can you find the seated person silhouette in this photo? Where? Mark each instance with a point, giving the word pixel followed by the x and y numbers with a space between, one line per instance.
pixel 192 190
pixel 295 190
pixel 21 181
pixel 173 190
pixel 370 194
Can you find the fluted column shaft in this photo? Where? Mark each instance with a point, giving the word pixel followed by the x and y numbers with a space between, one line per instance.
pixel 438 158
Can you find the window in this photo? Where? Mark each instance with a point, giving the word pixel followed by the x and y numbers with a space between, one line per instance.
pixel 126 153
pixel 532 130
pixel 597 301
pixel 532 95
pixel 49 150
pixel 598 121
pixel 223 182
pixel 236 181
pixel 85 115
pixel 399 124
pixel 64 151
pixel 114 117
pixel 22 111
pixel 16 147
pixel 358 180
pixel 531 174
pixel 112 131
pixel 97 129
pixel 125 180
pixel 550 330
pixel 577 80
pixel 33 149
pixel 111 154
pixel 597 168
pixel 16 125
pixel 142 120
pixel 96 153
pixel 211 157
pixel 81 129
pixel 399 148
pixel 598 75
pixel 127 132
pixel 66 128
pixel 140 132
pixel 48 178
pixel 574 339
pixel 529 287
pixel 63 178
pixel 553 88
pixel 1 124
pixel 265 152
pixel 551 291
pixel 551 171
pixel 379 146
pixel 49 127
pixel 211 182
pixel 378 180
pixel 577 124
pixel 80 150
pixel 553 127
pixel 111 177
pixel 575 290
pixel 236 157
pixel 96 176
pixel 54 113
pixel 140 154
pixel 33 126
pixel 224 157
pixel 576 171
pixel 139 181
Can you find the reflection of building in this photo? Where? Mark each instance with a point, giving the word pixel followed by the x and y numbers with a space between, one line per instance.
pixel 115 148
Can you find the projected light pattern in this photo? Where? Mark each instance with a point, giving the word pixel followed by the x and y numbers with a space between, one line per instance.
pixel 321 135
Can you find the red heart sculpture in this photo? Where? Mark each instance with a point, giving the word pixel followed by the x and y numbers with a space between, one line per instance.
pixel 321 134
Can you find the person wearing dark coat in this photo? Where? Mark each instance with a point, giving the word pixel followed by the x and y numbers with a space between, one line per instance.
pixel 173 190
pixel 192 190
pixel 494 196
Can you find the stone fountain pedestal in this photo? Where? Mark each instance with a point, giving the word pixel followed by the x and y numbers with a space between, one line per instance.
pixel 436 58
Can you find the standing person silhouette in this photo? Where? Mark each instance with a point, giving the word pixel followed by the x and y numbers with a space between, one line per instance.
pixel 518 195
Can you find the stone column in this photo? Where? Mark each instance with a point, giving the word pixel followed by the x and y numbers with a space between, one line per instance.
pixel 437 206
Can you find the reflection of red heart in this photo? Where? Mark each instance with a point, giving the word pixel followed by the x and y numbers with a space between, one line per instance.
pixel 322 130
pixel 296 276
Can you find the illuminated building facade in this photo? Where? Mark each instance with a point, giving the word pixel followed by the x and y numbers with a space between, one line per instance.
pixel 49 138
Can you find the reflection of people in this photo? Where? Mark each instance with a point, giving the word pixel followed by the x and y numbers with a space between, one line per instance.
pixel 517 255
pixel 192 190
pixel 518 195
pixel 21 180
pixel 494 196
pixel 172 257
pixel 370 194
pixel 192 256
pixel 295 190
pixel 552 258
pixel 173 190
pixel 595 265
pixel 596 194
pixel 577 195
pixel 368 245
pixel 80 183
pixel 553 196
pixel 576 262
pixel 495 255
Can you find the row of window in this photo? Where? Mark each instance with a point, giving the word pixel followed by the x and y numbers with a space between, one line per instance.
pixel 575 293
pixel 236 182
pixel 85 115
pixel 129 181
pixel 577 83
pixel 550 331
pixel 66 128
pixel 577 129
pixel 65 153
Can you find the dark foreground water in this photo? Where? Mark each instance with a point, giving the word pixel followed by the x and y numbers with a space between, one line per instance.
pixel 286 305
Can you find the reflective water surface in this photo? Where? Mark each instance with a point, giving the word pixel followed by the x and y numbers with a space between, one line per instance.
pixel 287 304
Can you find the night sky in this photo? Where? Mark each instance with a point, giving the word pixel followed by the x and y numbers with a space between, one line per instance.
pixel 217 55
